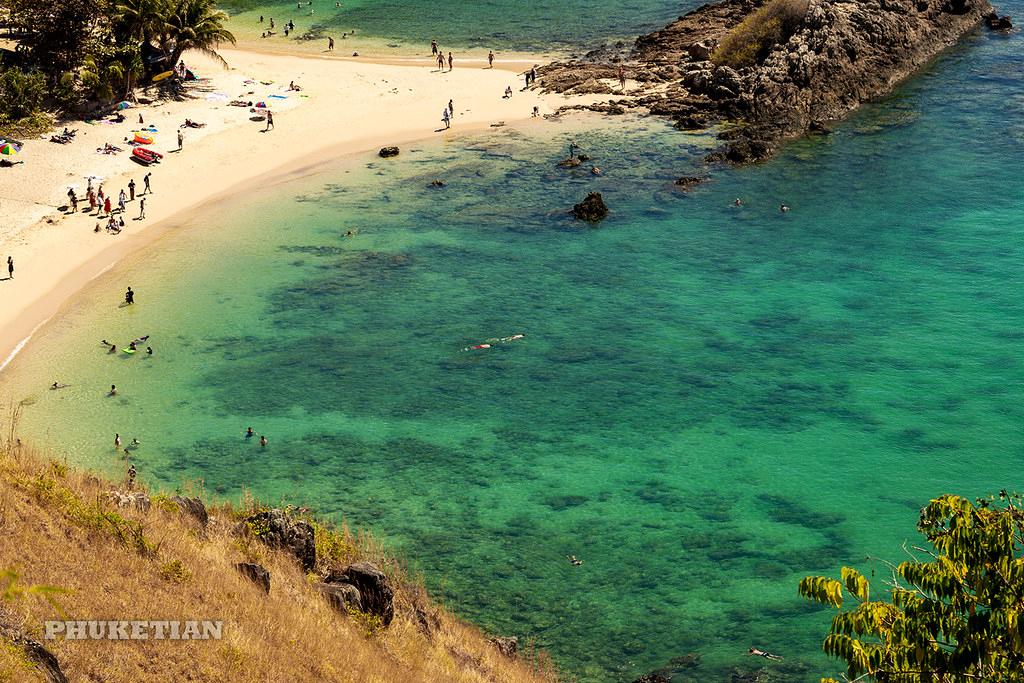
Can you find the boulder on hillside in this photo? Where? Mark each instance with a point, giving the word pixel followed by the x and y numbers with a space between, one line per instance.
pixel 45 661
pixel 375 594
pixel 388 152
pixel 194 507
pixel 342 596
pixel 506 645
pixel 592 208
pixel 278 530
pixel 256 573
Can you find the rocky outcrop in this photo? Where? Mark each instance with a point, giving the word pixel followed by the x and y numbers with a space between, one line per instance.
pixel 841 53
pixel 363 587
pixel 278 530
pixel 388 152
pixel 687 182
pixel 193 507
pixel 256 573
pixel 506 645
pixel 44 660
pixel 136 500
pixel 592 208
pixel 654 678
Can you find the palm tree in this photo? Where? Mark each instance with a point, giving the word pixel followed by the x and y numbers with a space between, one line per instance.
pixel 142 19
pixel 194 25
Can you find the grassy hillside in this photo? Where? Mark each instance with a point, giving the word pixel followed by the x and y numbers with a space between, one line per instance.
pixel 58 528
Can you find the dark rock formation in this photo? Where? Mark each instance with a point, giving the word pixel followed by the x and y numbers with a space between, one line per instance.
pixel 278 530
pixel 34 651
pixel 506 645
pixel 687 182
pixel 592 208
pixel 194 507
pixel 256 573
pixel 840 54
pixel 437 183
pixel 654 678
pixel 388 152
pixel 374 593
pixel 998 23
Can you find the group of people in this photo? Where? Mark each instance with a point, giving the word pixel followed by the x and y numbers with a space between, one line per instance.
pixel 102 203
pixel 249 433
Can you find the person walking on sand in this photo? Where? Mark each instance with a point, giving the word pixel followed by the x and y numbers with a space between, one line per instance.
pixel 106 206
pixel 451 108
pixel 91 196
pixel 146 189
pixel 533 75
pixel 440 62
pixel 142 208
pixel 270 121
pixel 433 47
pixel 129 296
pixel 131 189
pixel 490 59
pixel 122 199
pixel 10 267
pixel 446 118
pixel 330 43
pixel 181 139
pixel 450 61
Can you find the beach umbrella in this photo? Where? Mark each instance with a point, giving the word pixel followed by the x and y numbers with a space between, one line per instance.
pixel 124 105
pixel 8 148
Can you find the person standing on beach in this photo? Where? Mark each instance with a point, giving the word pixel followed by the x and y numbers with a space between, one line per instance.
pixel 330 43
pixel 142 208
pixel 131 189
pixel 270 121
pixel 440 62
pixel 446 117
pixel 10 267
pixel 181 138
pixel 433 47
pixel 129 297
pixel 622 79
pixel 91 196
pixel 490 59
pixel 145 181
pixel 122 198
pixel 73 199
pixel 451 108
pixel 450 61
pixel 106 206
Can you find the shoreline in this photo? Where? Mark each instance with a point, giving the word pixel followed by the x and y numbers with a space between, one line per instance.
pixel 57 254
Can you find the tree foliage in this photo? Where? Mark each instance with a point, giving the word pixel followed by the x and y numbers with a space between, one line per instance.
pixel 953 613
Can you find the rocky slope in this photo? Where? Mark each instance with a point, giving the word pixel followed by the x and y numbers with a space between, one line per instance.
pixel 843 53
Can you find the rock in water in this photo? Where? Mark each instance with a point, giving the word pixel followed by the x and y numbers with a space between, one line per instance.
pixel 591 209
pixel 388 152
pixel 688 181
pixel 256 573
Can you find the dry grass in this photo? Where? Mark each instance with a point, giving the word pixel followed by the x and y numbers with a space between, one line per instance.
pixel 755 37
pixel 58 529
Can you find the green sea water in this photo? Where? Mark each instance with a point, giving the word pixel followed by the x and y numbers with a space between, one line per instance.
pixel 710 401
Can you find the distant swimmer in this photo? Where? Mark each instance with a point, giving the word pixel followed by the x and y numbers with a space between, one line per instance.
pixel 738 202
pixel 113 390
pixel 149 350
pixel 129 296
pixel 132 346
pixel 754 652
pixel 477 347
pixel 136 442
pixel 117 440
pixel 113 348
pixel 574 561
pixel 249 433
pixel 141 339
pixel 503 340
pixel 263 441
pixel 58 385
pixel 783 208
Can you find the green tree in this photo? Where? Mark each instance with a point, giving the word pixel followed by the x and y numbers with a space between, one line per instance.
pixel 193 25
pixel 953 613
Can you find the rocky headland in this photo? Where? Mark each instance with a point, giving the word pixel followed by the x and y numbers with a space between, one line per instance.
pixel 770 69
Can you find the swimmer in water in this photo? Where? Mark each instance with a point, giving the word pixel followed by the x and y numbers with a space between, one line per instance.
pixel 113 348
pixel 113 390
pixel 263 441
pixel 574 561
pixel 761 653
pixel 738 202
pixel 117 440
pixel 136 442
pixel 249 433
pixel 149 350
pixel 783 208
pixel 131 346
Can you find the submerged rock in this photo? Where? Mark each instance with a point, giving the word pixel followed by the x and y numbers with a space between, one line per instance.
pixel 688 181
pixel 592 208
pixel 388 152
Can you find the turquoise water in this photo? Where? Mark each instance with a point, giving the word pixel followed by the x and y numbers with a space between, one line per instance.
pixel 710 401
pixel 409 25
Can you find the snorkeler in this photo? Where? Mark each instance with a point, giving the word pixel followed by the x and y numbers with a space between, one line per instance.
pixel 574 561
pixel 249 433
pixel 761 653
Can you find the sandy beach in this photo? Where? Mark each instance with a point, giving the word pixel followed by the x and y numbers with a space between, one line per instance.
pixel 344 106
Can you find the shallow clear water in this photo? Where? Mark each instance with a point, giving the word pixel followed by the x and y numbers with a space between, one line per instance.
pixel 710 402
pixel 408 26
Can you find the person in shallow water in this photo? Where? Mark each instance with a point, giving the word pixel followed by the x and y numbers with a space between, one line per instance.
pixel 249 433
pixel 263 441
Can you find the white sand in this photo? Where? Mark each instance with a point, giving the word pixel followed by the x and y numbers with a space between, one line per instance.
pixel 345 106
